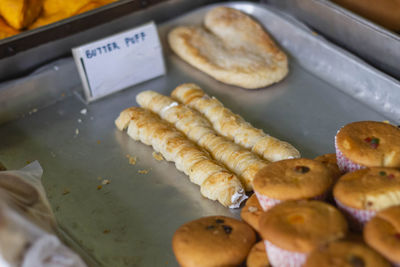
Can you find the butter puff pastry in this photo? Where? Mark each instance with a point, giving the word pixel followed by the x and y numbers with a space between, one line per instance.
pixel 239 160
pixel 232 48
pixel 216 183
pixel 233 126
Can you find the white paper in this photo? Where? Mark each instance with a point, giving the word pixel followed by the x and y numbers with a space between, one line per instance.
pixel 119 61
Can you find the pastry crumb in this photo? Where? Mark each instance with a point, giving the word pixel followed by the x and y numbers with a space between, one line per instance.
pixel 105 181
pixel 253 209
pixel 33 111
pixel 66 192
pixel 157 156
pixel 143 171
pixel 83 111
pixel 132 159
pixel 76 131
pixel 79 120
pixel 99 187
pixel 106 231
pixel 98 141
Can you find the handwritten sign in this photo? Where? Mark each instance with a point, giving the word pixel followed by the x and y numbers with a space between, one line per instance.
pixel 119 61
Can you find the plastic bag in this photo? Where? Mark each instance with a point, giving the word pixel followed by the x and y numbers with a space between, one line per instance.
pixel 23 189
pixel 27 224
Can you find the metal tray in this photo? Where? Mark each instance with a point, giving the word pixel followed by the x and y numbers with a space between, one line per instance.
pixel 130 222
pixel 24 52
pixel 374 43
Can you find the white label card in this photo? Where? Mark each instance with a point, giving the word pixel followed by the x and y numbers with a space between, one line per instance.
pixel 119 61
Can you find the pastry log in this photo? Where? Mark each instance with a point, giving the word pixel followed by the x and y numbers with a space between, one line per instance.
pixel 239 160
pixel 216 183
pixel 233 126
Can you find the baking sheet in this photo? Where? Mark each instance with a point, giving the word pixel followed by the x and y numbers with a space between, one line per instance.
pixel 130 222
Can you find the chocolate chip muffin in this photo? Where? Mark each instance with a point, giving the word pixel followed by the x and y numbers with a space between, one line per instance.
pixel 213 241
pixel 292 179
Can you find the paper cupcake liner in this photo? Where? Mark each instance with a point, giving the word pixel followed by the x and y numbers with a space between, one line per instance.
pixel 358 217
pixel 284 258
pixel 345 164
pixel 266 202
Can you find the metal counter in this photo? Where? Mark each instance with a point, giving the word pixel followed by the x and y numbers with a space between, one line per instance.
pixel 131 220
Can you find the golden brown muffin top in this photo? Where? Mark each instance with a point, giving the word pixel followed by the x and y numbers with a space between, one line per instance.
pixel 302 226
pixel 251 212
pixel 258 256
pixel 370 143
pixel 293 179
pixel 383 233
pixel 345 254
pixel 331 162
pixel 213 241
pixel 370 189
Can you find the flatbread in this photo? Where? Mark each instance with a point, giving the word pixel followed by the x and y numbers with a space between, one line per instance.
pixel 232 48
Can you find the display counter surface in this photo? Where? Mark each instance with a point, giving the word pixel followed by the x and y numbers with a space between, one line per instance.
pixel 131 220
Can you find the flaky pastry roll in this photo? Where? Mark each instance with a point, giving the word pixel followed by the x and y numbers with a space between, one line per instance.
pixel 239 160
pixel 233 126
pixel 216 182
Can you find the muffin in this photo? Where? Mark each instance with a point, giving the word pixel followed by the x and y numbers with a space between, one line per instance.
pixel 345 254
pixel 331 162
pixel 292 179
pixel 360 194
pixel 383 233
pixel 293 229
pixel 251 212
pixel 367 144
pixel 213 241
pixel 258 256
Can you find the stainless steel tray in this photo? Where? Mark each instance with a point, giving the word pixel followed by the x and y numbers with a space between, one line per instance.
pixel 130 222
pixel 24 52
pixel 370 41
